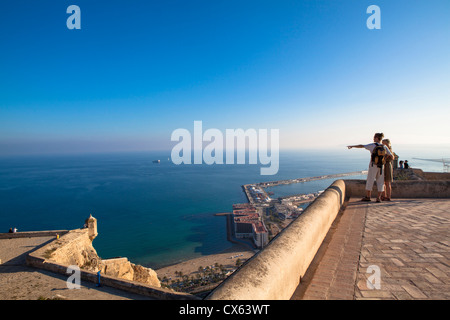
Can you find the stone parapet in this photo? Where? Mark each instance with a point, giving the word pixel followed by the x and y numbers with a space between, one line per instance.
pixel 404 189
pixel 110 281
pixel 33 234
pixel 275 272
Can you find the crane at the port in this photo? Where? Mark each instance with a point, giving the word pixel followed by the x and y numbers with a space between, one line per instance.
pixel 445 162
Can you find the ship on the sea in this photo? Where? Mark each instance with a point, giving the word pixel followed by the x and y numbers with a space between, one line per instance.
pixel 156 161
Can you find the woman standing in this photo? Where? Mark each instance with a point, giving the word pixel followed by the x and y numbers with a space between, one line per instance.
pixel 388 173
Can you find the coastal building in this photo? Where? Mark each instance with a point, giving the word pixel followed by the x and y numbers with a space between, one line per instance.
pixel 287 209
pixel 249 225
pixel 260 234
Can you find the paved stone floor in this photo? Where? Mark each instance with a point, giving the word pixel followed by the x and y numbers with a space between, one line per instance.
pixel 389 250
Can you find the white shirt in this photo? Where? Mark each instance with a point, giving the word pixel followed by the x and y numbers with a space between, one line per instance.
pixel 372 146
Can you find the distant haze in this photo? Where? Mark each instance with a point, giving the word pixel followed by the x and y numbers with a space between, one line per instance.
pixel 135 73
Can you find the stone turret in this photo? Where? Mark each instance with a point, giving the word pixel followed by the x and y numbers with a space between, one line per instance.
pixel 91 224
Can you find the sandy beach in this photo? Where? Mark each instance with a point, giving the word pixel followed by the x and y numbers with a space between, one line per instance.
pixel 228 259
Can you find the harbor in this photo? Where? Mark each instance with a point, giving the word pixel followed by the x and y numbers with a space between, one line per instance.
pixel 255 223
pixel 250 227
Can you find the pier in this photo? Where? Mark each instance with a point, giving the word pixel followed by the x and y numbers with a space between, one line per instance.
pixel 298 180
pixel 222 214
pixel 257 195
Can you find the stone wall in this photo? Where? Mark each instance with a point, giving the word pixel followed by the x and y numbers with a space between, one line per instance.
pixel 432 176
pixel 124 269
pixel 32 234
pixel 110 281
pixel 418 174
pixel 404 189
pixel 75 248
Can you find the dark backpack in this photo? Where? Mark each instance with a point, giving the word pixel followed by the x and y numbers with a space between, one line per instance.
pixel 378 156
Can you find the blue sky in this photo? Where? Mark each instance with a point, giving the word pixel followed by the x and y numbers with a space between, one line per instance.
pixel 138 70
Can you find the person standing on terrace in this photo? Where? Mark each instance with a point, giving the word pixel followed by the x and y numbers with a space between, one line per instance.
pixel 388 173
pixel 379 153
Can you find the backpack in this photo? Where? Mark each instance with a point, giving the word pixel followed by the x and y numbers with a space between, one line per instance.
pixel 378 156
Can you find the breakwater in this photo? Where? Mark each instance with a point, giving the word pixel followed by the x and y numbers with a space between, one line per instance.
pixel 257 195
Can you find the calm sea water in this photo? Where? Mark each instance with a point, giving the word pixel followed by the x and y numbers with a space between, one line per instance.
pixel 154 214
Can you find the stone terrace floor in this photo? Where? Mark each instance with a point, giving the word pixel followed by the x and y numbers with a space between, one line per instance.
pixel 405 244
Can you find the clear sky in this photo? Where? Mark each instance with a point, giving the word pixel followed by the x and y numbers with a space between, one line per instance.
pixel 138 70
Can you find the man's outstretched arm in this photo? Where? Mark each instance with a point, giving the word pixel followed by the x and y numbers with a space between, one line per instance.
pixel 356 146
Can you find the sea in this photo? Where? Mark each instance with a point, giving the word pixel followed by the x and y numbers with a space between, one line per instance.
pixel 156 214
